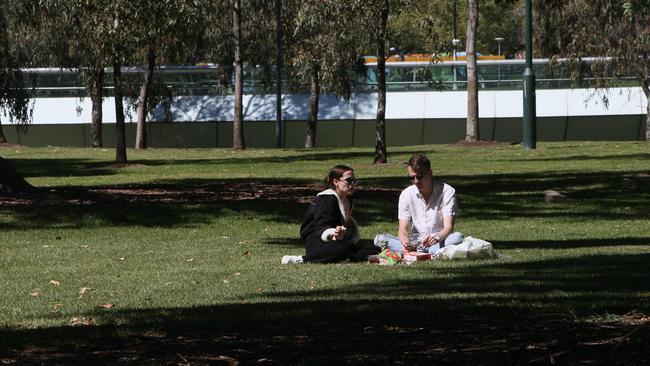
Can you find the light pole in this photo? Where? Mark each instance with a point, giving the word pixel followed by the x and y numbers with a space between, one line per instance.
pixel 392 51
pixel 499 40
pixel 530 118
pixel 455 42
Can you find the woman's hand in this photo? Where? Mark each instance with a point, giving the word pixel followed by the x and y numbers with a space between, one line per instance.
pixel 339 233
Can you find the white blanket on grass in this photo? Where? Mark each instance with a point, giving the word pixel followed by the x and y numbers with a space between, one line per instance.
pixel 470 248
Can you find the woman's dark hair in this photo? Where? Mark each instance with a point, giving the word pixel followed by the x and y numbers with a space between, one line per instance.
pixel 335 173
pixel 419 163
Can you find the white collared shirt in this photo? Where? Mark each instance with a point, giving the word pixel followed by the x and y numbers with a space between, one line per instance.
pixel 427 217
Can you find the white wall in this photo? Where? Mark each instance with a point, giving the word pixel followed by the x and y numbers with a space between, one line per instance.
pixel 400 105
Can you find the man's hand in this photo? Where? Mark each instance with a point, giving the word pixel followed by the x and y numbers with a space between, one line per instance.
pixel 431 240
pixel 410 247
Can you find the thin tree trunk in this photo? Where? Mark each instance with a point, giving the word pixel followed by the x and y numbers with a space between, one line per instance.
pixel 120 136
pixel 647 119
pixel 472 133
pixel 141 130
pixel 238 129
pixel 9 178
pixel 278 68
pixel 310 136
pixel 3 139
pixel 381 155
pixel 646 91
pixel 96 95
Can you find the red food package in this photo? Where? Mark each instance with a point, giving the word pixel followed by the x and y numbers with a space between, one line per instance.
pixel 421 256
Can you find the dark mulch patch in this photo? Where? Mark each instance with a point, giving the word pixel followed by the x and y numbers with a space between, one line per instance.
pixel 189 194
pixel 8 145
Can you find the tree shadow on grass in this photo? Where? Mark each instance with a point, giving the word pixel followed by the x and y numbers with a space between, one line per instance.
pixel 185 202
pixel 163 215
pixel 78 167
pixel 494 312
pixel 293 242
pixel 637 156
pixel 519 244
pixel 164 205
pixel 586 284
pixel 576 243
pixel 32 168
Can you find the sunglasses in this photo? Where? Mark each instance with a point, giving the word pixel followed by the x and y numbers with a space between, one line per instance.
pixel 418 176
pixel 350 181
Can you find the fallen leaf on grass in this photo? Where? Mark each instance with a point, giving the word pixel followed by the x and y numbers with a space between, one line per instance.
pixel 190 260
pixel 550 195
pixel 634 318
pixel 81 321
pixel 121 258
pixel 54 283
pixel 236 274
pixel 36 293
pixel 83 290
pixel 244 242
pixel 248 252
pixel 45 246
pixel 185 361
pixel 57 307
pixel 83 246
pixel 226 281
pixel 226 360
pixel 104 306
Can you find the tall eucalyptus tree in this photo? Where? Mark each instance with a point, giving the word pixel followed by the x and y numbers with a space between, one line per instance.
pixel 427 26
pixel 120 45
pixel 86 28
pixel 240 33
pixel 376 16
pixel 238 118
pixel 323 44
pixel 615 32
pixel 164 32
pixel 381 154
pixel 472 128
pixel 14 102
pixel 14 98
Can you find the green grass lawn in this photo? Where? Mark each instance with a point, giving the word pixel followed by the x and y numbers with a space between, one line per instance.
pixel 190 241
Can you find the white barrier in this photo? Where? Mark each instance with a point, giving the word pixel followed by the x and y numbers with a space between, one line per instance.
pixel 361 106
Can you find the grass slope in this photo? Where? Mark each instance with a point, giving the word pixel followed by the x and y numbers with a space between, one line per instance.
pixel 185 246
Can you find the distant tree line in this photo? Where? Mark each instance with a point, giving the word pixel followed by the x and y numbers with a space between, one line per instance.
pixel 322 41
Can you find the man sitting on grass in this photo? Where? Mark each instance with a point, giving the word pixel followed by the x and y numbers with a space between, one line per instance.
pixel 428 208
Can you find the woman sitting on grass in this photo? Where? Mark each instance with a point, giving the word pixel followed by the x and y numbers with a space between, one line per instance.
pixel 329 231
